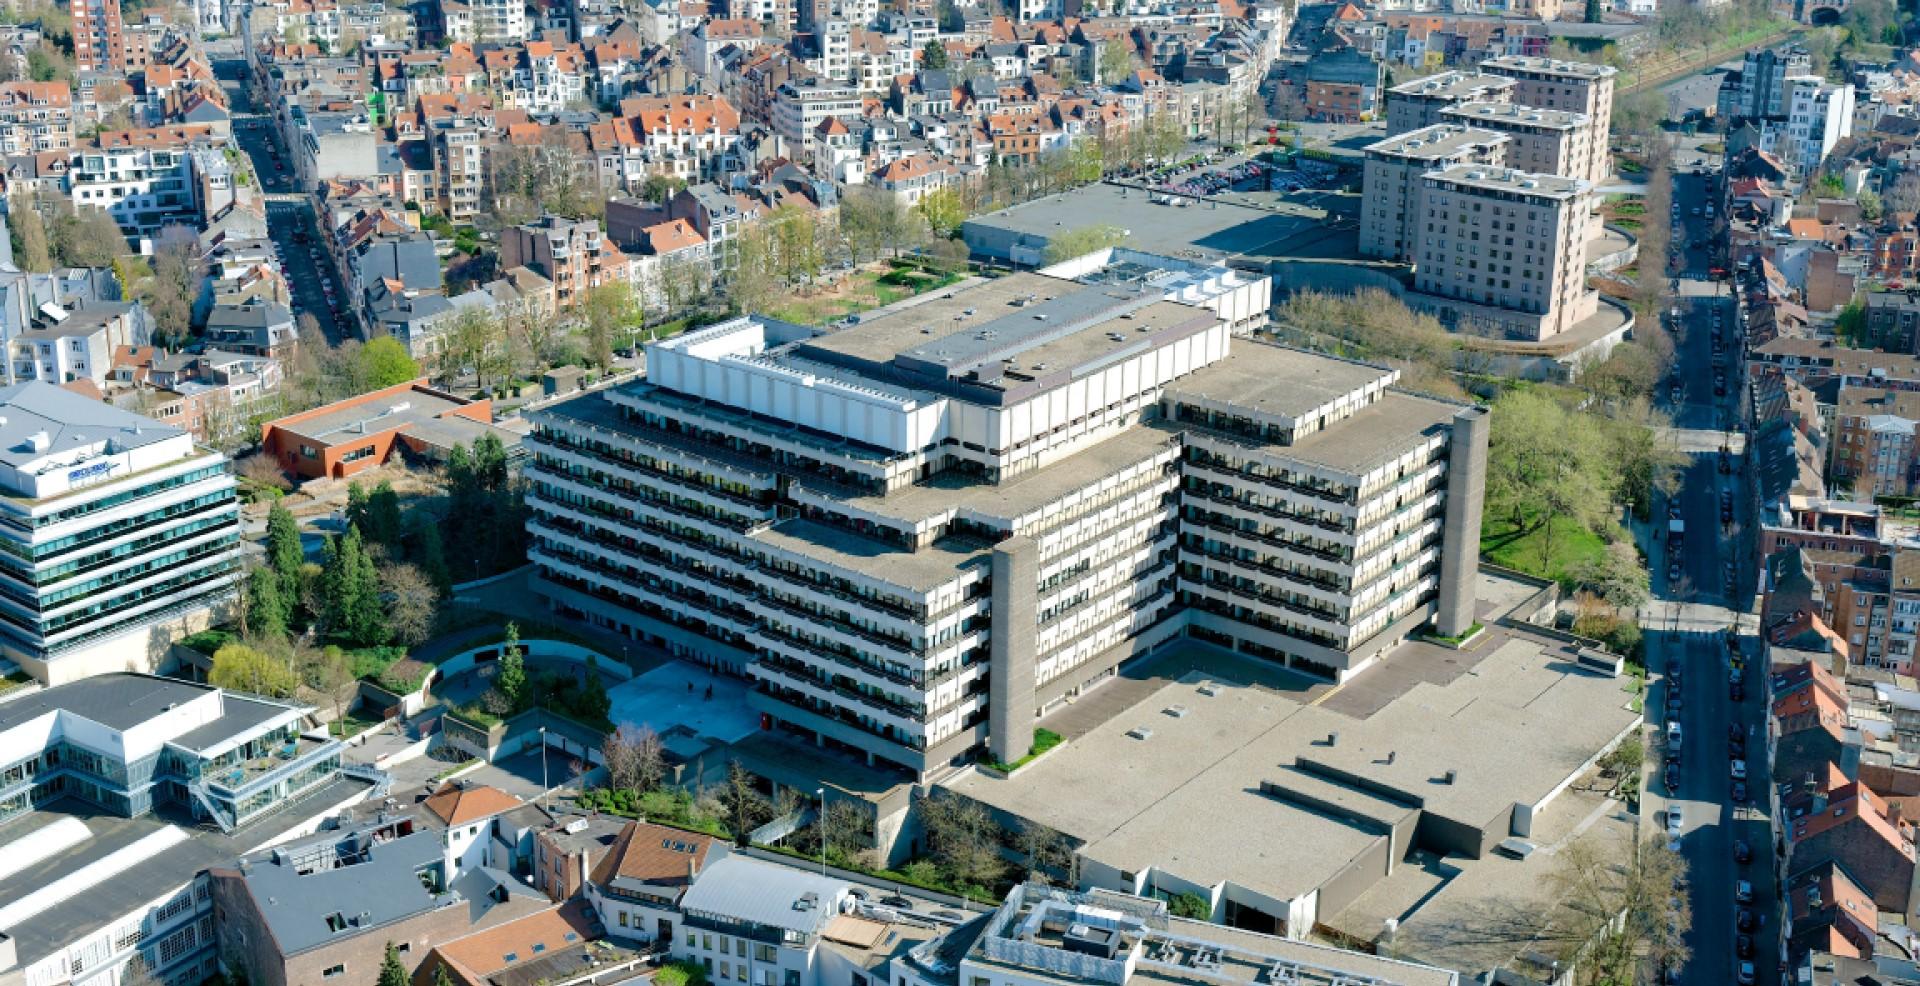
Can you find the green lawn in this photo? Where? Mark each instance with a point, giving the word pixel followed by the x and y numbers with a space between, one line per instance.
pixel 1521 550
pixel 353 724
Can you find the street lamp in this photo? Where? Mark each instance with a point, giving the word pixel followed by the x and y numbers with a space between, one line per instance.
pixel 821 793
pixel 543 766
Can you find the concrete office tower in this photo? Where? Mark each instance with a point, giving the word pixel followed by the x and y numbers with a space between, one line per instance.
pixel 1394 178
pixel 1547 142
pixel 97 39
pixel 916 532
pixel 1574 87
pixel 118 534
pixel 1419 104
pixel 1508 248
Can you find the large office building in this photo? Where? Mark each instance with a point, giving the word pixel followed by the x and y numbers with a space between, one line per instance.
pixel 1395 177
pixel 1419 104
pixel 1573 87
pixel 1548 142
pixel 116 532
pixel 117 791
pixel 917 532
pixel 1504 252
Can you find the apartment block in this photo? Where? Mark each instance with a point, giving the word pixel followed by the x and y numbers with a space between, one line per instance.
pixel 1573 87
pixel 117 791
pixel 916 532
pixel 1510 244
pixel 1819 116
pixel 35 117
pixel 1042 934
pixel 1394 178
pixel 572 254
pixel 115 527
pixel 145 178
pixel 1759 89
pixel 98 45
pixel 1419 104
pixel 1873 445
pixel 1548 142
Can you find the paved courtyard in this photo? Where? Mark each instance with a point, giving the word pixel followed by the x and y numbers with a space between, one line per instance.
pixel 682 694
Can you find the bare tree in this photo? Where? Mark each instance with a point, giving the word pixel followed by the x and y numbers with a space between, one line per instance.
pixel 1049 853
pixel 634 757
pixel 1619 902
pixel 330 672
pixel 741 801
pixel 964 838
pixel 412 600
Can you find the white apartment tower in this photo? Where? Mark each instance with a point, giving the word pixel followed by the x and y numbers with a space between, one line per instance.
pixel 1394 178
pixel 917 532
pixel 113 526
pixel 1573 87
pixel 1508 248
pixel 1819 116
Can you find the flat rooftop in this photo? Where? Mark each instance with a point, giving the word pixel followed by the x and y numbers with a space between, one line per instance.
pixel 952 491
pixel 118 701
pixel 1513 718
pixel 68 870
pixel 1550 66
pixel 1278 380
pixel 70 423
pixel 357 420
pixel 1436 143
pixel 1509 181
pixel 858 556
pixel 1452 85
pixel 1515 115
pixel 1209 228
pixel 1013 328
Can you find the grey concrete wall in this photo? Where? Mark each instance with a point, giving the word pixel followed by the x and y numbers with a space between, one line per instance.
pixel 1016 573
pixel 1460 536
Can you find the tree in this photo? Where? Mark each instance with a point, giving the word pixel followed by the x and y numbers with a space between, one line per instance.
pixel 1546 467
pixel 963 838
pixel 511 680
pixel 392 973
pixel 660 188
pixel 1049 853
pixel 412 603
pixel 933 56
pixel 1624 759
pixel 285 554
pixel 1079 242
pixel 87 237
pixel 139 973
pixel 429 553
pixel 1851 323
pixel 170 290
pixel 441 978
pixel 1616 906
pixel 31 250
pixel 872 220
pixel 1117 59
pixel 1191 906
pixel 742 801
pixel 329 671
pixel 350 591
pixel 1618 575
pixel 1903 196
pixel 384 362
pixel 612 313
pixel 248 669
pixel 943 210
pixel 593 703
pixel 1871 208
pixel 269 608
pixel 635 759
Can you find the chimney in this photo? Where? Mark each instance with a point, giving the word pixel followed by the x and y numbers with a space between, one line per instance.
pixel 693 866
pixel 1333 739
pixel 1452 776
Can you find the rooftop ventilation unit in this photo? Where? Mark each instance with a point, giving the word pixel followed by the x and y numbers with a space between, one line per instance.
pixel 1140 733
pixel 1176 711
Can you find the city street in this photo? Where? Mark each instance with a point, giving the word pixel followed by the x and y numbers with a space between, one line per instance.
pixel 290 221
pixel 1713 568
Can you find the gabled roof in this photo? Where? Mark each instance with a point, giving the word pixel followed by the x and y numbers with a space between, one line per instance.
pixel 655 855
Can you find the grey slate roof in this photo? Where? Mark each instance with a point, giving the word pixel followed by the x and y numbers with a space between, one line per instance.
pixel 118 701
pixel 71 422
pixel 763 893
pixel 376 892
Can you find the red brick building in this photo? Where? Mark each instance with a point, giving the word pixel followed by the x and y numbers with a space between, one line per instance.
pixel 361 432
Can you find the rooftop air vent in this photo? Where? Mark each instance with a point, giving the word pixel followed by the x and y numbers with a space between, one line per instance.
pixel 1176 711
pixel 1140 733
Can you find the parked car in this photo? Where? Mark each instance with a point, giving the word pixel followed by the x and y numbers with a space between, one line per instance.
pixel 1745 920
pixel 1742 853
pixel 1739 792
pixel 1745 977
pixel 1743 892
pixel 1743 946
